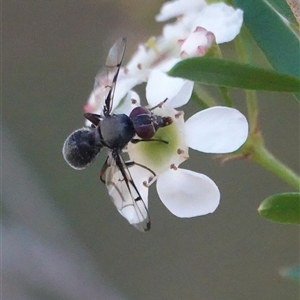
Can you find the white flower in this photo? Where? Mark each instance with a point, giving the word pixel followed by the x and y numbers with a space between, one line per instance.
pixel 221 19
pixel 214 130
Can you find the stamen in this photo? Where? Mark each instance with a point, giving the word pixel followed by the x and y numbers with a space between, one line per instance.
pixel 180 113
pixel 173 167
pixel 139 66
pixel 145 184
pixel 180 151
pixel 151 43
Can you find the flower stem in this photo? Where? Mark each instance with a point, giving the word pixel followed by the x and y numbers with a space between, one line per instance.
pixel 264 158
pixel 202 98
pixel 254 147
pixel 252 110
pixel 245 54
pixel 225 94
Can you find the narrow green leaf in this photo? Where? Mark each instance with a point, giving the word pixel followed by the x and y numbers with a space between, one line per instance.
pixel 283 208
pixel 220 72
pixel 283 8
pixel 274 37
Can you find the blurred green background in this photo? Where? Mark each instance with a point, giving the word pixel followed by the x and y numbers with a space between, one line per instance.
pixel 62 238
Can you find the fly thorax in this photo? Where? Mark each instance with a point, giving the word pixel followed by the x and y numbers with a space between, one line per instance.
pixel 116 131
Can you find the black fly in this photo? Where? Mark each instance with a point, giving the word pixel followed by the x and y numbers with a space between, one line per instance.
pixel 115 131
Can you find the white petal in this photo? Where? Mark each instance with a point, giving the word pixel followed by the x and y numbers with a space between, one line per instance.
pixel 140 62
pixel 168 63
pixel 176 8
pixel 183 95
pixel 137 58
pixel 128 103
pixel 161 86
pixel 216 130
pixel 124 84
pixel 223 20
pixel 175 31
pixel 187 194
pixel 161 54
pixel 96 100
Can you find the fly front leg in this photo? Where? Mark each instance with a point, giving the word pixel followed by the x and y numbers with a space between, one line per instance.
pixel 135 141
pixel 159 105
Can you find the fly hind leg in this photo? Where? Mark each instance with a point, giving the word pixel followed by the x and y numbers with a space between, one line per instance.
pixel 151 178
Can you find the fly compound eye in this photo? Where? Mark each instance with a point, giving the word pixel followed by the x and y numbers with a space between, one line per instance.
pixel 142 120
pixel 139 110
pixel 79 149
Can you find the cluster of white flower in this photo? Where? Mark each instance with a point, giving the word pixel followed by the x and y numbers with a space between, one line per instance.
pixel 215 130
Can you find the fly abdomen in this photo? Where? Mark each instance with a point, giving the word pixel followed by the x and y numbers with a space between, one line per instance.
pixel 81 148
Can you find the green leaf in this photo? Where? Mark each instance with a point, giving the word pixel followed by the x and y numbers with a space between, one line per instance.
pixel 283 8
pixel 273 36
pixel 283 208
pixel 220 72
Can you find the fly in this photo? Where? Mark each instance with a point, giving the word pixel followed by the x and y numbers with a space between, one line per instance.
pixel 114 132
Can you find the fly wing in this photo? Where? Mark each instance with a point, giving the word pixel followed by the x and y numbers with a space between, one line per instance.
pixel 105 81
pixel 124 193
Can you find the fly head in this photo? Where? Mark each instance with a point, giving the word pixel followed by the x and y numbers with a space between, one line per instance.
pixel 146 123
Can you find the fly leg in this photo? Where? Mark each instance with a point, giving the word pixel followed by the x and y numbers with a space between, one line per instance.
pixel 103 170
pixel 135 141
pixel 158 105
pixel 151 179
